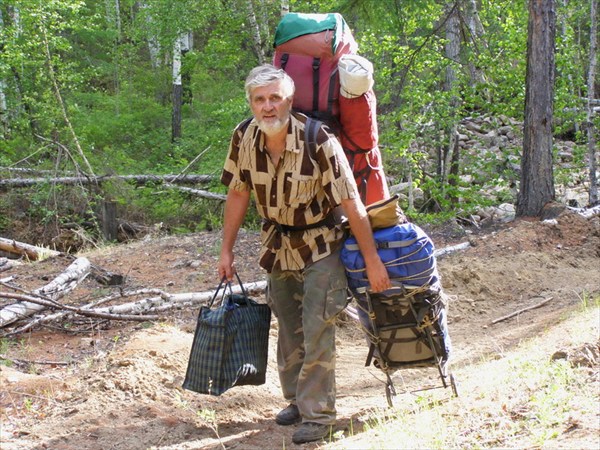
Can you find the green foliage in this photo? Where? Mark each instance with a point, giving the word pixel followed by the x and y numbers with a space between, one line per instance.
pixel 118 99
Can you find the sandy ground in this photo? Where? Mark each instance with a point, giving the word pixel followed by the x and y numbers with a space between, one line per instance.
pixel 118 385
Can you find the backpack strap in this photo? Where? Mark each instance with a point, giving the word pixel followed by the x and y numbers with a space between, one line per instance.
pixel 385 245
pixel 311 128
pixel 244 125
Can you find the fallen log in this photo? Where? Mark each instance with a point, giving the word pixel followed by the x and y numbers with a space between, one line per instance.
pixel 7 264
pixel 57 288
pixel 586 213
pixel 141 310
pixel 138 179
pixel 32 252
pixel 167 301
pixel 451 249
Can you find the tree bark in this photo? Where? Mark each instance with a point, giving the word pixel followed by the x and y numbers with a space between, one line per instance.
pixel 476 32
pixel 153 43
pixel 57 288
pixel 32 252
pixel 451 159
pixel 3 105
pixel 255 32
pixel 591 130
pixel 177 92
pixel 537 183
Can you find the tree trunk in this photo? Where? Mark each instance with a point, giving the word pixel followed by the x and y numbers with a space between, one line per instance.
pixel 451 157
pixel 537 183
pixel 153 44
pixel 591 130
pixel 32 252
pixel 187 43
pixel 118 19
pixel 3 106
pixel 177 92
pixel 254 32
pixel 476 32
pixel 54 290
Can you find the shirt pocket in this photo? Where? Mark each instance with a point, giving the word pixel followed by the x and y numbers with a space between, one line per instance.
pixel 299 191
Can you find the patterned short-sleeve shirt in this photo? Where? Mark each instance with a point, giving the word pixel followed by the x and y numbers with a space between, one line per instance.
pixel 304 188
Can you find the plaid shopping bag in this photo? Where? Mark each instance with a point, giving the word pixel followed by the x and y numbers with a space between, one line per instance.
pixel 230 344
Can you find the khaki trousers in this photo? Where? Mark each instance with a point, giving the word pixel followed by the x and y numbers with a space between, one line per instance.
pixel 306 303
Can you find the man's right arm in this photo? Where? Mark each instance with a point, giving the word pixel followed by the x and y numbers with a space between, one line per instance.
pixel 236 206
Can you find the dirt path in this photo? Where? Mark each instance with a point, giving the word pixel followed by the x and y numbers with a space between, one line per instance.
pixel 122 389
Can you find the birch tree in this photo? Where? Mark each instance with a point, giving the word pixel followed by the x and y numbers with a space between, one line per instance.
pixel 475 32
pixel 182 45
pixel 254 32
pixel 3 106
pixel 152 39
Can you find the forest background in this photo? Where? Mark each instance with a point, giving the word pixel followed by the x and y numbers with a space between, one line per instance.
pixel 120 87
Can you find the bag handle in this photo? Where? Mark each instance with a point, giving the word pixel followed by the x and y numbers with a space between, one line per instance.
pixel 244 293
pixel 228 285
pixel 223 280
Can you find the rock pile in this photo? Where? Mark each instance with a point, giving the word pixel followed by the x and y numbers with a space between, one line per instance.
pixel 495 144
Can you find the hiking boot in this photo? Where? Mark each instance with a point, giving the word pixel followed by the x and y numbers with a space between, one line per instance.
pixel 288 416
pixel 311 431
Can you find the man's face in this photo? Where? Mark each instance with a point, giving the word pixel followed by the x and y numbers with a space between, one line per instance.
pixel 270 107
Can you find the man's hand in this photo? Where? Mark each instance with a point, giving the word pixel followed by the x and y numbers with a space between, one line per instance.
pixel 378 276
pixel 225 267
pixel 361 229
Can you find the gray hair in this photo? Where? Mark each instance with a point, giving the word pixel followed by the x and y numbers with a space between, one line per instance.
pixel 265 75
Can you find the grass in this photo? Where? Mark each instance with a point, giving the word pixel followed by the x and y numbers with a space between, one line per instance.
pixel 528 398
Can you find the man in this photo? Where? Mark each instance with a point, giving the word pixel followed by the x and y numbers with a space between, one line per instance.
pixel 298 190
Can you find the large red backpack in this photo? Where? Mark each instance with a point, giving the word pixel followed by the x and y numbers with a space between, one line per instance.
pixel 309 48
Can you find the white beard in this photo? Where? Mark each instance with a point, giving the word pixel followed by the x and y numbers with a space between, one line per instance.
pixel 273 127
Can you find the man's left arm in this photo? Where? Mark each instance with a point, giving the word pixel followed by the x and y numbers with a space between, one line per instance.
pixel 361 229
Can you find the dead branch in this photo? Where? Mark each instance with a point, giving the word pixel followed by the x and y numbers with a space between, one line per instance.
pixel 198 192
pixel 49 303
pixel 27 361
pixel 57 288
pixel 516 313
pixel 32 252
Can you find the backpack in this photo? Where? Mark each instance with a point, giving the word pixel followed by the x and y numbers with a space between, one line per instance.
pixel 407 252
pixel 308 47
pixel 311 48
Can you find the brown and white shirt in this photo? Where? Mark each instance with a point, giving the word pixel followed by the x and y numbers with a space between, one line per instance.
pixel 303 189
